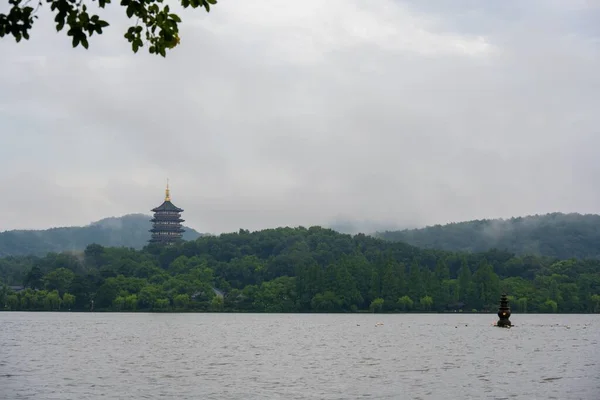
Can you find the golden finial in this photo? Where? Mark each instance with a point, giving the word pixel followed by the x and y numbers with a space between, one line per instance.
pixel 167 193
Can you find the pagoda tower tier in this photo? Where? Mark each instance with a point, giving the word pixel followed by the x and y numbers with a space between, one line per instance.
pixel 166 224
pixel 504 313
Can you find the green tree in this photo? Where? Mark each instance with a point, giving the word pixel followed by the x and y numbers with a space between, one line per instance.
pixel 310 280
pixel 342 283
pixel 453 292
pixel 392 282
pixel 11 302
pixel 278 295
pixel 376 305
pixel 181 265
pixel 93 254
pixel 68 300
pixel 487 286
pixel 406 303
pixel 106 293
pixel 52 300
pixel 441 286
pixel 26 300
pixel 34 277
pixel 149 295
pixel 550 306
pixel 4 292
pixel 119 303
pixel 60 279
pixel 442 272
pixel 81 287
pixel 374 285
pixel 465 283
pixel 202 274
pixel 156 26
pixel 596 302
pixel 217 303
pixel 522 304
pixel 326 302
pixel 416 288
pixel 426 303
pixel 131 302
pixel 182 301
pixel 161 304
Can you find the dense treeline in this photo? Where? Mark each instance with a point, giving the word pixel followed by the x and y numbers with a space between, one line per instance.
pixel 557 235
pixel 296 270
pixel 129 231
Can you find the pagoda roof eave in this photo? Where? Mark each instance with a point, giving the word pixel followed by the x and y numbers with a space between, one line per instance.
pixel 167 206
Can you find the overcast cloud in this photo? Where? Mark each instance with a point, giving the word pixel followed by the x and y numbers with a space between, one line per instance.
pixel 276 113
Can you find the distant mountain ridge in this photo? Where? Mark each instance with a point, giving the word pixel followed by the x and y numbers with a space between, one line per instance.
pixel 127 231
pixel 554 235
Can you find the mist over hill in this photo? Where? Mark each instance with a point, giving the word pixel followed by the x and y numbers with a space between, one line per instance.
pixel 553 235
pixel 354 226
pixel 127 231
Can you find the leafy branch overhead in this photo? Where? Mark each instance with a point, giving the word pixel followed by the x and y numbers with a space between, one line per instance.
pixel 155 25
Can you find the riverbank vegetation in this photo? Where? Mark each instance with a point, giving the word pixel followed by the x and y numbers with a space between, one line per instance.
pixel 296 270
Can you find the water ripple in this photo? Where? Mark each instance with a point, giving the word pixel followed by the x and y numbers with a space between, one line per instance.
pixel 231 356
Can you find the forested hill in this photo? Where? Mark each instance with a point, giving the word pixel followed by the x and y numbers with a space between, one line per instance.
pixel 554 235
pixel 296 270
pixel 128 231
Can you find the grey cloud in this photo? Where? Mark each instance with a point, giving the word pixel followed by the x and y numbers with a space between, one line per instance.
pixel 345 112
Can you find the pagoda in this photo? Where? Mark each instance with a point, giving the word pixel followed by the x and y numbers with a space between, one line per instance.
pixel 504 313
pixel 166 224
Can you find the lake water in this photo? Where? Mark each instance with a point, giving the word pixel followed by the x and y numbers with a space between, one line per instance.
pixel 290 356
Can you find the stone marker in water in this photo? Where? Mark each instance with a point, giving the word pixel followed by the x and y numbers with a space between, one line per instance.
pixel 504 313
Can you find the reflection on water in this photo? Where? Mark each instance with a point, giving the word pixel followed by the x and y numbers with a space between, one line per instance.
pixel 307 356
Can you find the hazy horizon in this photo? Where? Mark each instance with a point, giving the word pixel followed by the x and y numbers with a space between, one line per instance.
pixel 342 226
pixel 370 114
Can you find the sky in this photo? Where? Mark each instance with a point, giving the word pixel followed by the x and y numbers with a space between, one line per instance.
pixel 375 114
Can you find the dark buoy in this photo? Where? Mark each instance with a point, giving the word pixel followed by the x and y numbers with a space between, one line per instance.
pixel 504 313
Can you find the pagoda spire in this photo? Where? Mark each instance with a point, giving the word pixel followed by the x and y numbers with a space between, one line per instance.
pixel 167 192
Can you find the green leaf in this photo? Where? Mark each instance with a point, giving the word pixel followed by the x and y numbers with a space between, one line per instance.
pixel 84 41
pixel 84 18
